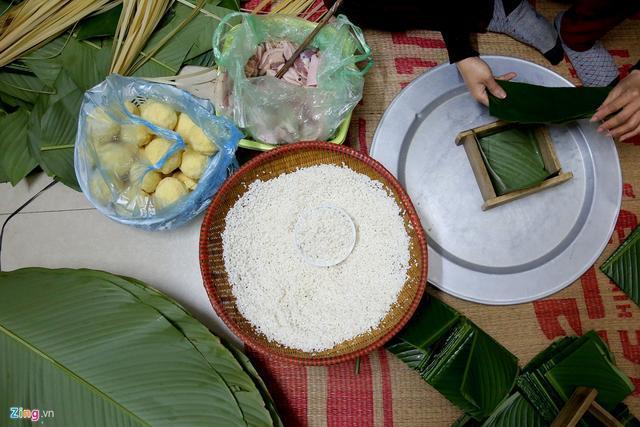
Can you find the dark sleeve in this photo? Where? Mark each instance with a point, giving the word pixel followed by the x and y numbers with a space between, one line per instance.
pixel 458 45
pixel 637 66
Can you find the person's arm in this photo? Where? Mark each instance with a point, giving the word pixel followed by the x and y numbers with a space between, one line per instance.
pixel 623 103
pixel 458 44
pixel 474 71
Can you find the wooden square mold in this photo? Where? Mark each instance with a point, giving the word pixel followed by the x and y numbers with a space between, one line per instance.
pixel 470 140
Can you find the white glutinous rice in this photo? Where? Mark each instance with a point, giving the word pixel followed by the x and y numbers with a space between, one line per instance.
pixel 300 305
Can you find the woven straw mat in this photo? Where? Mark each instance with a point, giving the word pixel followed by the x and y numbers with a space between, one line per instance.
pixel 387 393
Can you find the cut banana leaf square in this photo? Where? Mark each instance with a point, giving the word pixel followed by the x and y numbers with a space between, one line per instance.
pixel 551 377
pixel 548 353
pixel 515 411
pixel 448 371
pixel 490 374
pixel 513 159
pixel 457 358
pixel 623 267
pixel 473 371
pixel 433 320
pixel 589 366
pixel 540 394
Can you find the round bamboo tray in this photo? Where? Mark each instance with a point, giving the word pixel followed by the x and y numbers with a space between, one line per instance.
pixel 288 159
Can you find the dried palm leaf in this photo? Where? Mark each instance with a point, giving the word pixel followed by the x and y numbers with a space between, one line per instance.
pixel 33 22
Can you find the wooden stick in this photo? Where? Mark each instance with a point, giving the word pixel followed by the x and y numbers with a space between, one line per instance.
pixel 581 401
pixel 575 408
pixel 603 416
pixel 313 11
pixel 308 40
pixel 260 6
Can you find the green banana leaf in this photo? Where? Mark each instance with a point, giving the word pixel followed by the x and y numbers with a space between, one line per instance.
pixel 262 387
pixel 45 62
pixel 490 374
pixel 431 321
pixel 52 130
pixel 626 418
pixel 457 358
pixel 103 350
pixel 550 379
pixel 466 421
pixel 69 67
pixel 623 266
pixel 513 159
pixel 515 411
pixel 188 43
pixel 540 394
pixel 22 86
pixel 15 161
pixel 206 59
pixel 238 372
pixel 480 376
pixel 548 353
pixel 527 103
pixel 86 64
pixel 230 4
pixel 447 372
pixel 590 365
pixel 102 25
pixel 533 384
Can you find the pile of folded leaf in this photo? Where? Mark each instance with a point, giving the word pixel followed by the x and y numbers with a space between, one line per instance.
pixel 483 379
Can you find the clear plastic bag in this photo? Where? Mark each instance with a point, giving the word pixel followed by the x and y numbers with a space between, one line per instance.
pixel 277 112
pixel 114 170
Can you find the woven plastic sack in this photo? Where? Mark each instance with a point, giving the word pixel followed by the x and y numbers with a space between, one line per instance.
pixel 274 111
pixel 104 159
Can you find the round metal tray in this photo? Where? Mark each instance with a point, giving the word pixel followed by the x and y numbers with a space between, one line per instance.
pixel 521 251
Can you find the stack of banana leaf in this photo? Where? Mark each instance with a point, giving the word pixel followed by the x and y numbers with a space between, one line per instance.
pixel 552 376
pixel 41 92
pixel 100 349
pixel 482 378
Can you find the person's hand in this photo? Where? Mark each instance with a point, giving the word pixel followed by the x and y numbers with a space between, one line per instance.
pixel 479 79
pixel 624 102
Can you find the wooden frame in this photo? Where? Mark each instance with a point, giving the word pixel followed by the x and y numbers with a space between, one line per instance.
pixel 470 140
pixel 582 401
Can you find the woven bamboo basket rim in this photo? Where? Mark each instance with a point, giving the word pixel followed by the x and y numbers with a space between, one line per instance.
pixel 256 340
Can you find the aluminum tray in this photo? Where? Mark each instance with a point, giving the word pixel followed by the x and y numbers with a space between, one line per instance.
pixel 519 252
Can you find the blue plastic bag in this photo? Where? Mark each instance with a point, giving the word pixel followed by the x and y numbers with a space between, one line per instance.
pixel 102 153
